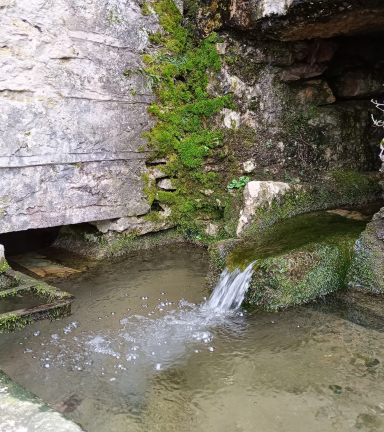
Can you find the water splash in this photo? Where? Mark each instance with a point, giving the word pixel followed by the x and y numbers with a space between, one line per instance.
pixel 230 291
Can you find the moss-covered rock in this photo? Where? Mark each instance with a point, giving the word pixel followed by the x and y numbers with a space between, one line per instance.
pixel 300 276
pixel 295 260
pixel 367 270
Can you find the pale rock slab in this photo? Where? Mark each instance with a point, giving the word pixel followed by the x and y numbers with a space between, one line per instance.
pixel 166 184
pixel 257 194
pixel 135 225
pixel 249 166
pixel 232 119
pixel 155 173
pixel 212 229
pixel 54 195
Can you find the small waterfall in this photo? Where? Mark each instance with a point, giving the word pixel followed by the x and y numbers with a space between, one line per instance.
pixel 230 291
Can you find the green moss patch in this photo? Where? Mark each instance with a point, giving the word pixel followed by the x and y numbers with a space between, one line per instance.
pixel 184 134
pixel 300 276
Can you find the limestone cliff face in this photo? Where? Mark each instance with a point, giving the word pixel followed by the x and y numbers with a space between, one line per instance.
pixel 70 120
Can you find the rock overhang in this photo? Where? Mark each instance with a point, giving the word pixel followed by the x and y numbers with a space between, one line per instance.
pixel 293 20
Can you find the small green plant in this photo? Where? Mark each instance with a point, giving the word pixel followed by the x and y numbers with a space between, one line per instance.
pixel 146 9
pixel 268 144
pixel 153 79
pixel 288 177
pixel 155 38
pixel 27 133
pixel 229 60
pixel 114 17
pixel 238 184
pixel 128 73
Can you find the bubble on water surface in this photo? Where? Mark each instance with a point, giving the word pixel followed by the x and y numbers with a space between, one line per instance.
pixel 70 326
pixel 100 345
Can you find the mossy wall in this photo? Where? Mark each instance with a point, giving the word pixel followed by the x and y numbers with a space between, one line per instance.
pixel 367 270
pixel 223 100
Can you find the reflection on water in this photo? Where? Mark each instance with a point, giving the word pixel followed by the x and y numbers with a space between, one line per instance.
pixel 139 353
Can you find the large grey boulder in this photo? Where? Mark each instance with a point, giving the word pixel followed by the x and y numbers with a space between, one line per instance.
pixel 73 105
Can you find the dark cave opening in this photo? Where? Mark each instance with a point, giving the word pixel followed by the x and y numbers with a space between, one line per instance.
pixel 21 242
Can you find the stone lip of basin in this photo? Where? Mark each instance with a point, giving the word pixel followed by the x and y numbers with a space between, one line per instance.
pixel 55 303
pixel 22 410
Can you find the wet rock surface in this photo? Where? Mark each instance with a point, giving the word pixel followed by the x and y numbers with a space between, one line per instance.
pixel 22 411
pixel 295 260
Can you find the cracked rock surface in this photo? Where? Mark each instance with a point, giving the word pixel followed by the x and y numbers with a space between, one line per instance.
pixel 72 110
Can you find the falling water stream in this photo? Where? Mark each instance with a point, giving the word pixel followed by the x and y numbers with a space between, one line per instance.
pixel 230 290
pixel 144 350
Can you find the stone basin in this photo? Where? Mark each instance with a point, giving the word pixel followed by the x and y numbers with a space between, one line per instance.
pixel 42 301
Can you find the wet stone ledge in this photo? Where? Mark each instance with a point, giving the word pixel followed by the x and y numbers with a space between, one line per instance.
pixel 21 410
